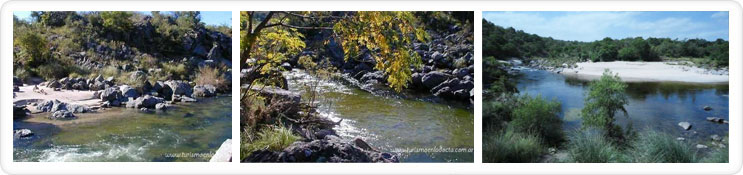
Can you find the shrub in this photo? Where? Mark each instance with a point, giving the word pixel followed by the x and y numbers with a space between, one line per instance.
pixel 603 100
pixel 511 146
pixel 269 138
pixel 22 74
pixel 52 71
pixel 116 21
pixel 34 49
pixel 656 147
pixel 176 71
pixel 212 76
pixel 539 116
pixel 590 146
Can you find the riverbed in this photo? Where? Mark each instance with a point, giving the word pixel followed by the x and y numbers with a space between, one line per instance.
pixel 185 132
pixel 657 106
pixel 416 129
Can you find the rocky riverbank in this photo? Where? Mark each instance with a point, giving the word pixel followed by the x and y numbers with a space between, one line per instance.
pixel 447 69
pixel 319 141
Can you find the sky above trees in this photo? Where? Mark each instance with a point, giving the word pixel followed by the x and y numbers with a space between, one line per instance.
pixel 591 26
pixel 208 17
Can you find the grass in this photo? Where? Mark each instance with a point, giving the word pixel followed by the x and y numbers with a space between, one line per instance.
pixel 269 138
pixel 654 147
pixel 590 146
pixel 511 146
pixel 210 75
pixel 717 156
pixel 177 71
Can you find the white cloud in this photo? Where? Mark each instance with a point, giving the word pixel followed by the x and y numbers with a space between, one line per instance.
pixel 722 14
pixel 590 26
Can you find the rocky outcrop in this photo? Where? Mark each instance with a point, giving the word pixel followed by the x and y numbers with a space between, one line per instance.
pixel 331 149
pixel 176 87
pixel 204 91
pixel 22 133
pixel 62 115
pixel 56 105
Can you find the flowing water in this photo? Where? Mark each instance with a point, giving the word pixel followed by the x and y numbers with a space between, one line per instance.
pixel 416 129
pixel 657 106
pixel 185 132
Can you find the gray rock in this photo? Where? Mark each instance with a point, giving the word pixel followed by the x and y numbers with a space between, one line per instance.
pixel 62 115
pixel 111 94
pixel 707 108
pixel 433 79
pixel 177 88
pixel 17 81
pixel 146 101
pixel 161 106
pixel 128 92
pixel 22 133
pixel 685 125
pixel 188 99
pixel 224 153
pixel 138 76
pixel 110 79
pixel 204 91
pixel 700 146
pixel 716 138
pixel 99 78
pixel 276 95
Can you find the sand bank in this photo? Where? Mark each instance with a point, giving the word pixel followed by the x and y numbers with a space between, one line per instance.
pixel 648 71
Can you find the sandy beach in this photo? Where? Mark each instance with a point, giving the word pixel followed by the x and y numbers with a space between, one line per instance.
pixel 646 72
pixel 26 94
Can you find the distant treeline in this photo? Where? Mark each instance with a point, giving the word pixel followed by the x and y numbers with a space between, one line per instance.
pixel 505 43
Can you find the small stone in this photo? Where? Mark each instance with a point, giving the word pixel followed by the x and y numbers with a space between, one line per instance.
pixel 700 146
pixel 716 137
pixel 685 125
pixel 21 133
pixel 707 108
pixel 680 138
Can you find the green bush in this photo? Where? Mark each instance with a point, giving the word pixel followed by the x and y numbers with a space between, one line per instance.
pixel 511 146
pixel 605 97
pixel 116 21
pixel 656 147
pixel 34 49
pixel 539 116
pixel 177 71
pixel 590 146
pixel 52 71
pixel 269 138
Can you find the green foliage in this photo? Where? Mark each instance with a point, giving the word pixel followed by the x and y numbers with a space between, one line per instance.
pixel 605 97
pixel 54 18
pixel 496 78
pixel 590 146
pixel 116 21
pixel 539 116
pixel 269 138
pixel 717 156
pixel 33 50
pixel 52 71
pixel 505 43
pixel 177 71
pixel 511 146
pixel 656 147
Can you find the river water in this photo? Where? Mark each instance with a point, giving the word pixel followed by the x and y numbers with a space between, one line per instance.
pixel 185 132
pixel 417 130
pixel 657 106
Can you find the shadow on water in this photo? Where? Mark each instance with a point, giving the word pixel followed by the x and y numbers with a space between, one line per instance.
pixel 404 125
pixel 658 106
pixel 186 132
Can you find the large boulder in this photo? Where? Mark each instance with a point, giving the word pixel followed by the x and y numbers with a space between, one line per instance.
pixel 22 133
pixel 332 149
pixel 111 94
pixel 19 111
pixel 433 79
pixel 62 115
pixel 173 88
pixel 128 92
pixel 17 81
pixel 204 90
pixel 138 76
pixel 146 101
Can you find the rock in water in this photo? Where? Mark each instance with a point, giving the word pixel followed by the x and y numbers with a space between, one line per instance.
pixel 21 133
pixel 700 146
pixel 60 115
pixel 224 153
pixel 716 138
pixel 128 92
pixel 146 101
pixel 161 106
pixel 188 99
pixel 685 125
pixel 433 79
pixel 204 90
pixel 110 94
pixel 707 108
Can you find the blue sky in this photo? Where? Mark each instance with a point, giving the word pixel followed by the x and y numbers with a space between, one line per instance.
pixel 591 26
pixel 208 17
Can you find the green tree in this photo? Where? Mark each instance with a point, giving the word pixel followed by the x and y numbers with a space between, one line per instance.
pixel 116 21
pixel 33 49
pixel 603 100
pixel 387 34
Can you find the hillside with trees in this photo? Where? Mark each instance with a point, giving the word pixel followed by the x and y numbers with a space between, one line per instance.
pixel 505 43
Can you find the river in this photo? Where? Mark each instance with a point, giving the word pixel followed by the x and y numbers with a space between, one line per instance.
pixel 185 132
pixel 414 128
pixel 657 106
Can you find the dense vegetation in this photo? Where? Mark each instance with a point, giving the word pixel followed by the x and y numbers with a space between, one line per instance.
pixel 521 128
pixel 57 44
pixel 506 43
pixel 270 39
